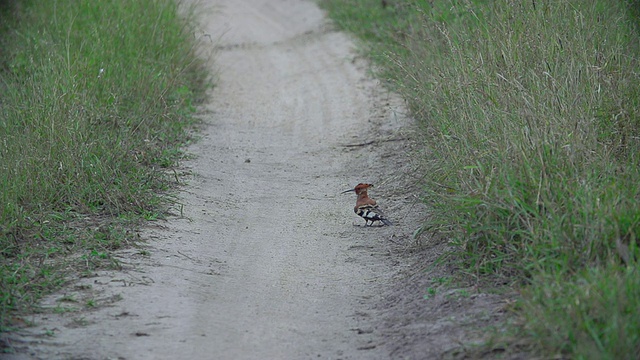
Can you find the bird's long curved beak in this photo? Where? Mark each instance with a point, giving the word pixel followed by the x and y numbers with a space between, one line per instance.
pixel 346 191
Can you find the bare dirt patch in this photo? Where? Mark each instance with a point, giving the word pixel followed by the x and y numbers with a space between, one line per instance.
pixel 262 258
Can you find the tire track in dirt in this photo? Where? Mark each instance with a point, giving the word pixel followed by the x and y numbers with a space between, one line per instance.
pixel 264 262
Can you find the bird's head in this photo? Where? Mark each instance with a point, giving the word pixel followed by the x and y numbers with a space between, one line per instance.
pixel 359 189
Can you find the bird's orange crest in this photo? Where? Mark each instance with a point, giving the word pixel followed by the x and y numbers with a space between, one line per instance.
pixel 362 188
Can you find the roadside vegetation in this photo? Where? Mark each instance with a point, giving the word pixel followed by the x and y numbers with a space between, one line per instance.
pixel 96 98
pixel 530 115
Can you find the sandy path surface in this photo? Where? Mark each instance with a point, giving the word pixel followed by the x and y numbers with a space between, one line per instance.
pixel 262 260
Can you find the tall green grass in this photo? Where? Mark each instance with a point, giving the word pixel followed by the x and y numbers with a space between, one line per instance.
pixel 531 115
pixel 96 97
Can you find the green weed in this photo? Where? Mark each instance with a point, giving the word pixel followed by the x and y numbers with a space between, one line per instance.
pixel 96 98
pixel 530 112
pixel 592 315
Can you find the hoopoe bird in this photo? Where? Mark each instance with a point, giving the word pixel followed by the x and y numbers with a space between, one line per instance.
pixel 366 207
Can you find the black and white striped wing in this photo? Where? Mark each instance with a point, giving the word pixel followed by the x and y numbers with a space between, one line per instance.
pixel 372 213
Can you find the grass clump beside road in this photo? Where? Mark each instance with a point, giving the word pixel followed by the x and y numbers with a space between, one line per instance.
pixel 96 98
pixel 530 112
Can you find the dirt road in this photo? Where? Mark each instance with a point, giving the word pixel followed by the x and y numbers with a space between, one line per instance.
pixel 262 260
